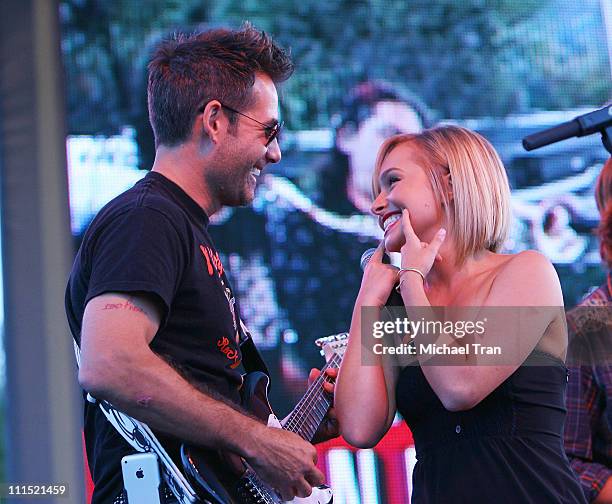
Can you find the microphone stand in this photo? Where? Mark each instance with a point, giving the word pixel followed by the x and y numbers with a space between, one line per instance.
pixel 598 121
pixel 606 138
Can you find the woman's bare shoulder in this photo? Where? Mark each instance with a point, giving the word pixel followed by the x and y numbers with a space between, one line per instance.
pixel 527 278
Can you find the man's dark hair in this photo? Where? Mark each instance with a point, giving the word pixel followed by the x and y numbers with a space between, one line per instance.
pixel 360 103
pixel 358 106
pixel 189 70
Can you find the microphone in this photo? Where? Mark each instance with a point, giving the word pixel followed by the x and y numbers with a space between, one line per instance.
pixel 365 257
pixel 395 298
pixel 586 124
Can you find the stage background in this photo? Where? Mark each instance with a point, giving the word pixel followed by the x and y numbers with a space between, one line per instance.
pixel 504 68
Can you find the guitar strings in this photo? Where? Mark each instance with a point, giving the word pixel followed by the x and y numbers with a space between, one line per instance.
pixel 308 402
pixel 306 405
pixel 314 394
pixel 304 410
pixel 260 488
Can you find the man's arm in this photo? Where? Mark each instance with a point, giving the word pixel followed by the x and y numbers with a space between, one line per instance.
pixel 118 365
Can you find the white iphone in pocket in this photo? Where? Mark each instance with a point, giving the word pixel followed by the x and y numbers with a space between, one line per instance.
pixel 141 478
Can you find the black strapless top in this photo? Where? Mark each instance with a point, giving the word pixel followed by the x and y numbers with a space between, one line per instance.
pixel 507 449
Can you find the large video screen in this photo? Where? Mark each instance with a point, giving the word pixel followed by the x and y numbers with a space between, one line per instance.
pixel 364 70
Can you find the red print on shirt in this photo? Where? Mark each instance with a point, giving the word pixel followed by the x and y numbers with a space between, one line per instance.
pixel 212 260
pixel 224 347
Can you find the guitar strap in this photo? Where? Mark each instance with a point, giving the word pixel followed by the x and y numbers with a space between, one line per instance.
pixel 142 439
pixel 251 356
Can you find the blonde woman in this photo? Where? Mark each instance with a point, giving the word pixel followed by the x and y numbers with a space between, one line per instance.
pixel 483 433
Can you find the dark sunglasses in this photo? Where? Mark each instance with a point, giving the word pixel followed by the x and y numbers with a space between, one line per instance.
pixel 271 132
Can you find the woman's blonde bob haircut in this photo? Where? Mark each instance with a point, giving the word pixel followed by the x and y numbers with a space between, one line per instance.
pixel 476 196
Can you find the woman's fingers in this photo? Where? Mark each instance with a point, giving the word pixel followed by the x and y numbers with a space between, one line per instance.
pixel 436 243
pixel 377 256
pixel 407 226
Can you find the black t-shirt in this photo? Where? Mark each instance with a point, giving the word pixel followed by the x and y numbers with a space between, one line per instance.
pixel 153 239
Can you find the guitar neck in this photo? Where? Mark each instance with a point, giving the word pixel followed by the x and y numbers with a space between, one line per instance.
pixel 309 412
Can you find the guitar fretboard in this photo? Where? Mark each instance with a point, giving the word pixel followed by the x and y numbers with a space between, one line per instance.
pixel 308 414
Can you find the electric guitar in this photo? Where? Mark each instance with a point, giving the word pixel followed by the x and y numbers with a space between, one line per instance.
pixel 225 478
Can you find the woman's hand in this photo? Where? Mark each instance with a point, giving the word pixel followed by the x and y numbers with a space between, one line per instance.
pixel 418 254
pixel 378 280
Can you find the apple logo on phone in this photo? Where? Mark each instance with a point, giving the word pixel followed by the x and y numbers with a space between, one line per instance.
pixel 140 473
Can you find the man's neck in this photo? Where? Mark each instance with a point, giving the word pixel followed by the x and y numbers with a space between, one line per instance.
pixel 180 166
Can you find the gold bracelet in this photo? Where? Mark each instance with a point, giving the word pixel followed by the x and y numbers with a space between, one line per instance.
pixel 403 270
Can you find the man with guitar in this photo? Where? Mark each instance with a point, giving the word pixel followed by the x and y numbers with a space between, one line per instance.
pixel 148 301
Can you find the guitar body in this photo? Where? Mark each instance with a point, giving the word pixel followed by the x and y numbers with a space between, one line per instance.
pixel 225 478
pixel 219 476
pixel 202 470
